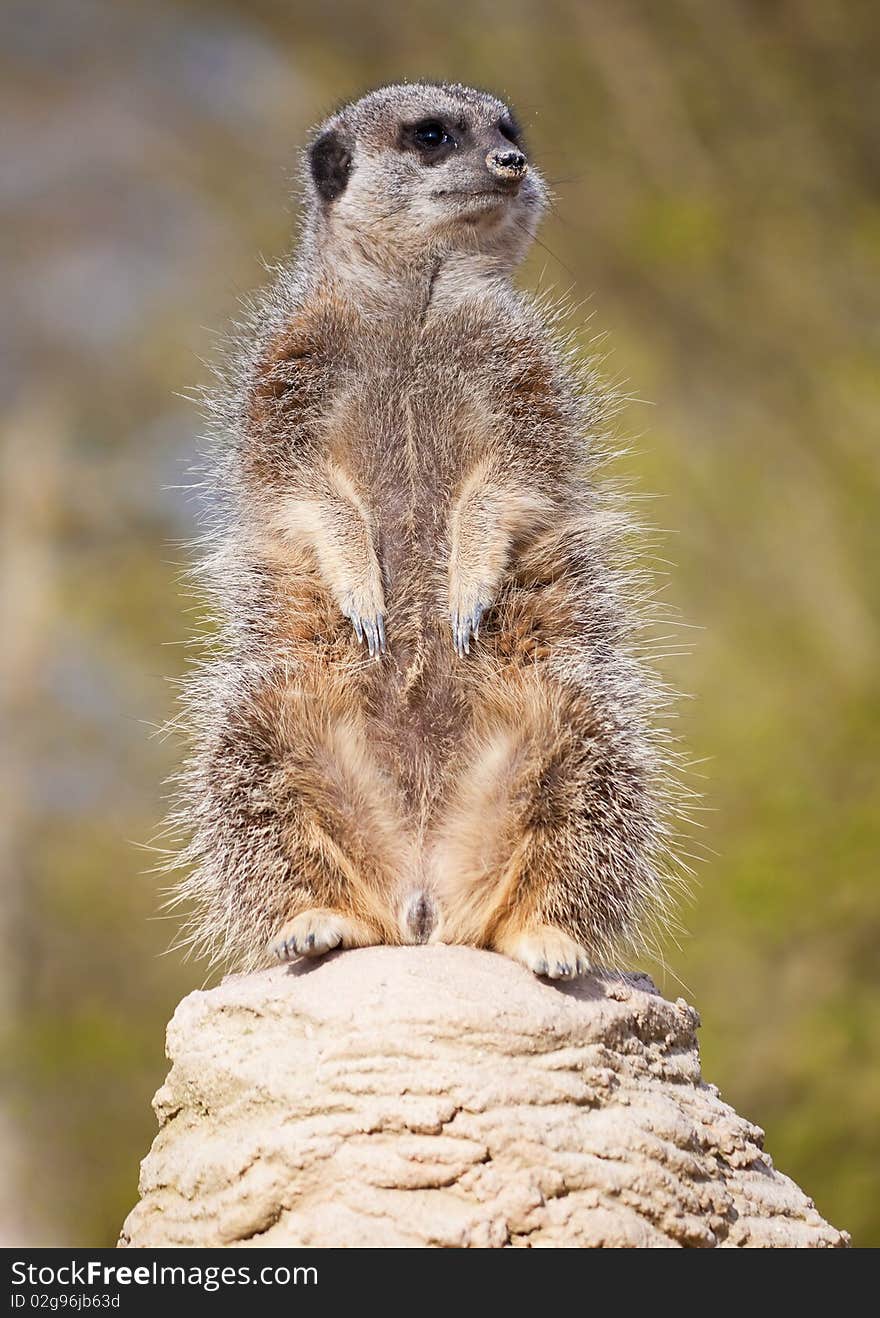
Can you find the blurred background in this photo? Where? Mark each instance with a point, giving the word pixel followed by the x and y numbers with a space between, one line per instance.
pixel 716 167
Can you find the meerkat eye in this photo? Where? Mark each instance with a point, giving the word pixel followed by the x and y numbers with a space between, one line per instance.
pixel 509 130
pixel 431 134
pixel 430 139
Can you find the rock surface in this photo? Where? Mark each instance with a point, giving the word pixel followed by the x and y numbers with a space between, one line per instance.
pixel 440 1096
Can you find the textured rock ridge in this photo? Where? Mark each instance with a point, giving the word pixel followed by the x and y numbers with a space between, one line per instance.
pixel 440 1096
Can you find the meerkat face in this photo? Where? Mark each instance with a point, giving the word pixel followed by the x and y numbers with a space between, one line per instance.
pixel 425 170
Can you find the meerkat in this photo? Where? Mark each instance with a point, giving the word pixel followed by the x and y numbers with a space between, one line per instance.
pixel 423 718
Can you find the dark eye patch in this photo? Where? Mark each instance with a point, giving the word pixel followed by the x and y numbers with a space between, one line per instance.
pixel 432 139
pixel 510 129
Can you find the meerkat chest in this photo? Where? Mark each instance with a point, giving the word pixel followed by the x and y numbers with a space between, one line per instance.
pixel 412 414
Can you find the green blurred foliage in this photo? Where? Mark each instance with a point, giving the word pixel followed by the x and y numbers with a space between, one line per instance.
pixel 716 176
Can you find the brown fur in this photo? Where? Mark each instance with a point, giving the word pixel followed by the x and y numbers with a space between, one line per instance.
pixel 411 447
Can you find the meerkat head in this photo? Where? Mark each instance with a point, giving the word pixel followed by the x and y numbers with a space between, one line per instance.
pixel 421 171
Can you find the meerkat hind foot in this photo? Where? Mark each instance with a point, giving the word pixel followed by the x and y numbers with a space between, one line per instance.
pixel 545 951
pixel 312 933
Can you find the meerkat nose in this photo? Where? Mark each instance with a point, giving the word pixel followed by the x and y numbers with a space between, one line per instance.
pixel 509 166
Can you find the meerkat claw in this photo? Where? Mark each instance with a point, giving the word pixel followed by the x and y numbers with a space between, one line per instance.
pixel 371 630
pixel 282 949
pixel 375 630
pixel 466 628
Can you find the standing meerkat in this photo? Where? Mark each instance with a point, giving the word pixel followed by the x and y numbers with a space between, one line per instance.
pixel 423 719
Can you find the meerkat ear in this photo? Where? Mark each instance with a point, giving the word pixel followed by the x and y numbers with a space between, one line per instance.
pixel 330 163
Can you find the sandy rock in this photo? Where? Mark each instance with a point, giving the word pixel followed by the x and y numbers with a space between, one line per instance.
pixel 440 1096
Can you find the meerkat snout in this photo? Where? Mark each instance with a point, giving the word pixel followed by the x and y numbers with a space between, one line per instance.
pixel 507 166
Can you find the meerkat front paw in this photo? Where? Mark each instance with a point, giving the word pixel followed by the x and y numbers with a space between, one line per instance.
pixel 365 611
pixel 545 951
pixel 464 627
pixel 466 609
pixel 315 932
pixel 369 629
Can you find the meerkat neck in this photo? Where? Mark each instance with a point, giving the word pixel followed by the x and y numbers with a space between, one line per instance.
pixel 383 284
pixel 467 277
